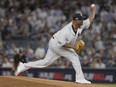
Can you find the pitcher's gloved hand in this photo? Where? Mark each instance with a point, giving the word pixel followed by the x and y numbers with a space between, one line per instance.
pixel 79 45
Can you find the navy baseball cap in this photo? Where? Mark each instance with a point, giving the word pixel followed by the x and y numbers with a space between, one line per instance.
pixel 78 16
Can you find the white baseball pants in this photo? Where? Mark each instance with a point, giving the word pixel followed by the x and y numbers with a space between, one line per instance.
pixel 53 53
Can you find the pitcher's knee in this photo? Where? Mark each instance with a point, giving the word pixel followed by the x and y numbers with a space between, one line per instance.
pixel 46 63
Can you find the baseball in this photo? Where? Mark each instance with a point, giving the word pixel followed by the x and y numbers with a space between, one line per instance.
pixel 92 5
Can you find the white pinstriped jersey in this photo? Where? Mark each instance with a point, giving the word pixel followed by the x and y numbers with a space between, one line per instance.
pixel 67 35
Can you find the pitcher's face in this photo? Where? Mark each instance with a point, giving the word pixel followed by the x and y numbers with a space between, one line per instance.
pixel 78 22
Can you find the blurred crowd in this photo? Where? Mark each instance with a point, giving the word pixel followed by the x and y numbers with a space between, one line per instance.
pixel 27 26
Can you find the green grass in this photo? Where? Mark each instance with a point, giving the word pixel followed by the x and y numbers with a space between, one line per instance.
pixel 111 85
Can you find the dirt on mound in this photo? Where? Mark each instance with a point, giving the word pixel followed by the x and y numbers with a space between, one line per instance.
pixel 12 81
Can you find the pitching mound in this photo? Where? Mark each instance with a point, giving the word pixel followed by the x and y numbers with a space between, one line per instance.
pixel 12 81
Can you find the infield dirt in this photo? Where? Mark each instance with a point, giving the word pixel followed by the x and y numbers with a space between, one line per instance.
pixel 12 81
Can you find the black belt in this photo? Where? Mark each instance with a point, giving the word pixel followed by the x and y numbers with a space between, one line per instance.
pixel 53 37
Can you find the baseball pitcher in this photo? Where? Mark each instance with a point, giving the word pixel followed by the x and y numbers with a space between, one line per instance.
pixel 64 43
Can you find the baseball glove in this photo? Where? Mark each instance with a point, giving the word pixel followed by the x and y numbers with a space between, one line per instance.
pixel 80 45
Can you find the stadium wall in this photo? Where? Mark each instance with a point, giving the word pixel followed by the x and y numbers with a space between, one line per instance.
pixel 94 75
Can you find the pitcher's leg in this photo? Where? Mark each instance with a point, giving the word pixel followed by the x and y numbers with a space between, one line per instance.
pixel 49 59
pixel 72 56
pixel 77 66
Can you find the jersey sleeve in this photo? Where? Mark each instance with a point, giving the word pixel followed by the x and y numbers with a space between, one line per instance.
pixel 62 40
pixel 61 36
pixel 86 23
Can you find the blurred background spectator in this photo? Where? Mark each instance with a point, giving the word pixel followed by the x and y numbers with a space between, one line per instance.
pixel 19 57
pixel 31 23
